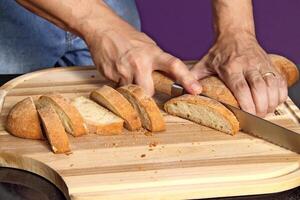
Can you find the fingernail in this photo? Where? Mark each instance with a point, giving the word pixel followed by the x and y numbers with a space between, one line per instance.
pixel 196 87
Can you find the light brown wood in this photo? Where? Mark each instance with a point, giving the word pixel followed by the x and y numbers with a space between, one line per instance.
pixel 186 161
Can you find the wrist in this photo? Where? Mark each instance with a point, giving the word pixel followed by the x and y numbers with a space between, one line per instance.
pixel 236 34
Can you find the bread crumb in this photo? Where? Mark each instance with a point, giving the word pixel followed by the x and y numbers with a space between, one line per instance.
pixel 143 155
pixel 153 144
pixel 71 165
pixel 147 133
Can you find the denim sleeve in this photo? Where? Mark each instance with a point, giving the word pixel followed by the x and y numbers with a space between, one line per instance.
pixel 29 42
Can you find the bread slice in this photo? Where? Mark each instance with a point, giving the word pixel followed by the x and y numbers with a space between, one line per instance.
pixel 68 114
pixel 54 130
pixel 98 119
pixel 204 111
pixel 149 112
pixel 23 120
pixel 118 104
pixel 214 88
pixel 285 67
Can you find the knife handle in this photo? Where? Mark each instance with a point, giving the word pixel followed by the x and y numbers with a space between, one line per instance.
pixel 162 83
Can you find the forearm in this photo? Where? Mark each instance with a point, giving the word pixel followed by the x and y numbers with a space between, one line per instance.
pixel 231 16
pixel 82 17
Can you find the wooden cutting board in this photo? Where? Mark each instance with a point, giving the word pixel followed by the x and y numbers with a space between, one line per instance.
pixel 187 161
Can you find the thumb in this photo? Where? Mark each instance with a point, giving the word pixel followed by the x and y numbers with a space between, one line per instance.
pixel 201 69
pixel 179 72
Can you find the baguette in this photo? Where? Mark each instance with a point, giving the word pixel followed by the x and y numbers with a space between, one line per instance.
pixel 23 120
pixel 68 114
pixel 214 88
pixel 149 112
pixel 204 111
pixel 286 67
pixel 98 119
pixel 54 130
pixel 116 103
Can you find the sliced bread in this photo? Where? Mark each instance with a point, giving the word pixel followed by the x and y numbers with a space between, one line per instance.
pixel 23 120
pixel 98 119
pixel 149 112
pixel 204 111
pixel 118 104
pixel 54 130
pixel 69 115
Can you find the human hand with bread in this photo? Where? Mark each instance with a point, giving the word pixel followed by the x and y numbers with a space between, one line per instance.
pixel 239 60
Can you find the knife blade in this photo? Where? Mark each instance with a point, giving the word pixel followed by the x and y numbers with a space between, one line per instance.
pixel 257 126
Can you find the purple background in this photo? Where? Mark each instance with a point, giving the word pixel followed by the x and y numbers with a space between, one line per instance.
pixel 184 28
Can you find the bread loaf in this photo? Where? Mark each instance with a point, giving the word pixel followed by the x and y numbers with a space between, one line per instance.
pixel 149 112
pixel 119 105
pixel 286 67
pixel 204 111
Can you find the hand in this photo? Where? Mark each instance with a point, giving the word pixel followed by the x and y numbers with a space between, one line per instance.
pixel 129 56
pixel 241 63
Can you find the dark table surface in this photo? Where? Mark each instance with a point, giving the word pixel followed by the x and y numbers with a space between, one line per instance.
pixel 293 194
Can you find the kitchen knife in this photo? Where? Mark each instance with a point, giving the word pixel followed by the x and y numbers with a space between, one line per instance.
pixel 249 123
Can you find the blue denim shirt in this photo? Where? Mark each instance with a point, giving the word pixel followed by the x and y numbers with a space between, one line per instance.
pixel 29 42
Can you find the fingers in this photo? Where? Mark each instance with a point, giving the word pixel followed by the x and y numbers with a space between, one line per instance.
pixel 283 91
pixel 272 91
pixel 240 88
pixel 179 72
pixel 259 91
pixel 144 79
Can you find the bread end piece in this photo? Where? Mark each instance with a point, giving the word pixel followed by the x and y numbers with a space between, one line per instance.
pixel 23 120
pixel 71 118
pixel 204 111
pixel 149 112
pixel 118 104
pixel 98 119
pixel 54 130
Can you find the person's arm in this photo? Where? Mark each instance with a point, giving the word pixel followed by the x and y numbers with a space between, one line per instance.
pixel 120 52
pixel 237 58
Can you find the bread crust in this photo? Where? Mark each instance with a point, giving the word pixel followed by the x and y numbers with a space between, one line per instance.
pixel 54 130
pixel 77 122
pixel 110 129
pixel 285 67
pixel 210 103
pixel 152 112
pixel 23 120
pixel 118 104
pixel 214 88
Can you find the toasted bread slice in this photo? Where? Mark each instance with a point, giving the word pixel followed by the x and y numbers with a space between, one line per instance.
pixel 54 130
pixel 98 119
pixel 23 120
pixel 204 111
pixel 149 112
pixel 68 114
pixel 116 103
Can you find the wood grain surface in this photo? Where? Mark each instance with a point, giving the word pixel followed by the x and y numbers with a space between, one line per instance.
pixel 187 161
